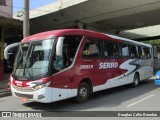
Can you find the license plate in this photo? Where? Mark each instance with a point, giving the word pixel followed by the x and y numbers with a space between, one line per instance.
pixel 24 99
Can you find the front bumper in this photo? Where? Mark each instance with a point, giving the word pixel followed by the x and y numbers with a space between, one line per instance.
pixel 43 95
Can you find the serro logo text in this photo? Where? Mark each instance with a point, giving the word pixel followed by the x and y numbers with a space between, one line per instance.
pixel 106 65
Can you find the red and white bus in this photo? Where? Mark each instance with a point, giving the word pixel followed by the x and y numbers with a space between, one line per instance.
pixel 61 64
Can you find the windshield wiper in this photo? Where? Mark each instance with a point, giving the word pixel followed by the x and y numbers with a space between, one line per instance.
pixel 27 62
pixel 21 55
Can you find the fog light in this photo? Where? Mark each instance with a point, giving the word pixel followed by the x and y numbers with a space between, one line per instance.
pixel 41 96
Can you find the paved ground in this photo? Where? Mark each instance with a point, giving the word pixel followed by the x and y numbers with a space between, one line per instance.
pixel 145 97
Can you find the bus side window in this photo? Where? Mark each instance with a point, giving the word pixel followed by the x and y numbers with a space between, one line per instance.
pixel 65 51
pixel 115 49
pixel 85 50
pixel 134 51
pixel 140 52
pixel 91 48
pixel 111 49
pixel 70 46
pixel 143 53
pixel 105 49
pixel 125 50
pixel 148 53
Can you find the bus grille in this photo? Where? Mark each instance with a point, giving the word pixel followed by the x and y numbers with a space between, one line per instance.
pixel 29 96
pixel 26 89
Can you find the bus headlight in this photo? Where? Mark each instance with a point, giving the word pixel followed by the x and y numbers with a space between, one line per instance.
pixel 40 86
pixel 157 77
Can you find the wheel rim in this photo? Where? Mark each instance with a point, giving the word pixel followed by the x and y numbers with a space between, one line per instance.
pixel 83 92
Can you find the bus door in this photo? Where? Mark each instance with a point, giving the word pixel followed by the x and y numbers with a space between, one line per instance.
pixel 64 58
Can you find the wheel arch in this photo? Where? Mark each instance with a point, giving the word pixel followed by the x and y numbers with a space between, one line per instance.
pixel 137 73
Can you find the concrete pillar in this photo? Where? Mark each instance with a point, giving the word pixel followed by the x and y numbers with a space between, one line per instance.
pixel 80 25
pixel 1 53
pixel 26 19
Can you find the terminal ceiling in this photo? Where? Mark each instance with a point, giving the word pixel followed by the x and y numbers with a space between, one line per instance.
pixel 109 16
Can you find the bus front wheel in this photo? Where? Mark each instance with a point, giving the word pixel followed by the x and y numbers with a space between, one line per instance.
pixel 83 92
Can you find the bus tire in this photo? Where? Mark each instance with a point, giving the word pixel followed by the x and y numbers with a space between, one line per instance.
pixel 135 80
pixel 83 92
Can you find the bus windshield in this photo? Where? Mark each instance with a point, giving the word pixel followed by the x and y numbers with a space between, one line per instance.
pixel 33 59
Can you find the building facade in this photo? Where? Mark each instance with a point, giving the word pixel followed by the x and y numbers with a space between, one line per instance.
pixel 9 29
pixel 6 9
pixel 5 12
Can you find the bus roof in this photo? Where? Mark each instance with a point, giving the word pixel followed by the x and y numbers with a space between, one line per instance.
pixel 128 40
pixel 57 33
